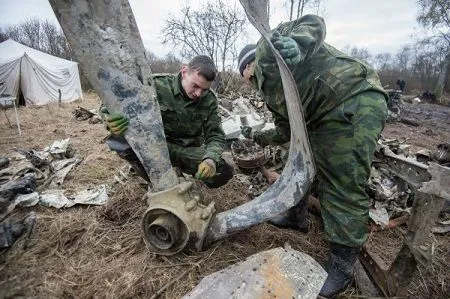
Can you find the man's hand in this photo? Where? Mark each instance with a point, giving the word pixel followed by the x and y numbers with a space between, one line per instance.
pixel 271 176
pixel 246 131
pixel 206 169
pixel 115 123
pixel 287 47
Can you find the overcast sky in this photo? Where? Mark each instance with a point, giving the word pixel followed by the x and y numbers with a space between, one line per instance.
pixel 378 25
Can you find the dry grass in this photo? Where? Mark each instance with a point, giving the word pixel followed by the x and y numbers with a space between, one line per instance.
pixel 426 283
pixel 97 252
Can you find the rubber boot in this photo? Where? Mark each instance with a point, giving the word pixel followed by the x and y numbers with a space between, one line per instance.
pixel 295 218
pixel 340 269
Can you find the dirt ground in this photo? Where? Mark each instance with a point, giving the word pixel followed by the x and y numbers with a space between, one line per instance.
pixel 433 129
pixel 98 252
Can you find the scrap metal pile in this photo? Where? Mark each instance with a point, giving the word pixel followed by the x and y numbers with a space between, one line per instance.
pixel 239 109
pixel 391 197
pixel 29 177
pixel 254 164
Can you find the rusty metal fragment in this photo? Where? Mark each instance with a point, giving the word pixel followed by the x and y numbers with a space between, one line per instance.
pixel 275 273
pixel 248 154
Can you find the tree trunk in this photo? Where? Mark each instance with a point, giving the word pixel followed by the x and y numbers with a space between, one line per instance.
pixel 300 5
pixel 439 89
pixel 292 10
pixel 105 39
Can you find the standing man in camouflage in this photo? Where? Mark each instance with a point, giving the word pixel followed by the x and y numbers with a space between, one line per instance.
pixel 345 110
pixel 401 84
pixel 192 124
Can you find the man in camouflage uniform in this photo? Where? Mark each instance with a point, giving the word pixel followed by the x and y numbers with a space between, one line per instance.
pixel 345 110
pixel 401 84
pixel 192 124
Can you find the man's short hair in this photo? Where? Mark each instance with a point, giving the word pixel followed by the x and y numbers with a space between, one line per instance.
pixel 204 66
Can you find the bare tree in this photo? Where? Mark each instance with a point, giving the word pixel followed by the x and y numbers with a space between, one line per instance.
pixel 168 64
pixel 418 64
pixel 291 11
pixel 12 32
pixel 435 14
pixel 426 63
pixel 44 36
pixel 212 30
pixel 300 6
pixel 51 34
pixel 32 34
pixel 359 53
pixel 403 58
pixel 383 61
pixel 41 35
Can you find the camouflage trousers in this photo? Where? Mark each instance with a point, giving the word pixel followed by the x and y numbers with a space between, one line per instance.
pixel 188 159
pixel 343 143
pixel 185 158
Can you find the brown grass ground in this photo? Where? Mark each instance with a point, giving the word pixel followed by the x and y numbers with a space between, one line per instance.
pixel 97 252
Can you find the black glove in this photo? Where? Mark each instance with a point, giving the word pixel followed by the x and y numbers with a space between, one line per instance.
pixel 246 131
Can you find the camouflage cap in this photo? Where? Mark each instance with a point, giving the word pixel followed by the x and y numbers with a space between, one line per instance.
pixel 246 56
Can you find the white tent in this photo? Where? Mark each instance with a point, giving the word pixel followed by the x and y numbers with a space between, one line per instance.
pixel 41 77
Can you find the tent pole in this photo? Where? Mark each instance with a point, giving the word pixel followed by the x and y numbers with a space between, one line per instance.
pixel 17 118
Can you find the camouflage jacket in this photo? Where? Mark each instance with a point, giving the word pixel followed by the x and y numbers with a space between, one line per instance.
pixel 187 122
pixel 325 77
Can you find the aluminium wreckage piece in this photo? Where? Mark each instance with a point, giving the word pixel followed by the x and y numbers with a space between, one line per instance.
pixel 274 273
pixel 112 56
pixel 431 191
pixel 176 219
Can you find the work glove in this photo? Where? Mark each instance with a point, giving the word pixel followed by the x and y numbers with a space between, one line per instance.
pixel 115 123
pixel 206 169
pixel 246 131
pixel 287 47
